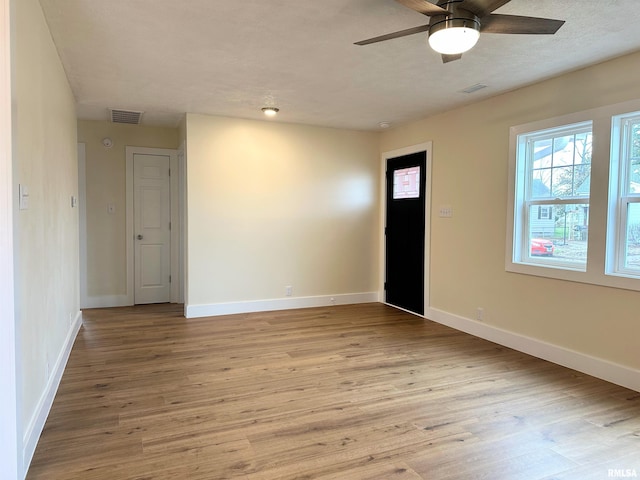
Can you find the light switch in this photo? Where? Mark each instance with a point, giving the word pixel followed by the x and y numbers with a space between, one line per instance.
pixel 23 193
pixel 446 211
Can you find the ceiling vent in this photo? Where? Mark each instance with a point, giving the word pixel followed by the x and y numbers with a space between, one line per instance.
pixel 126 116
pixel 473 88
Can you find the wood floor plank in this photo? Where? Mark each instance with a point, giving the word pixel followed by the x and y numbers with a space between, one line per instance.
pixel 344 392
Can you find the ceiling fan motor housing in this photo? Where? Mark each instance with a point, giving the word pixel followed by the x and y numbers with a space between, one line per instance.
pixel 459 17
pixel 453 33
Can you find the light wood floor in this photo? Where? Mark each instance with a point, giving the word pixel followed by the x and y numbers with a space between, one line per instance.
pixel 350 392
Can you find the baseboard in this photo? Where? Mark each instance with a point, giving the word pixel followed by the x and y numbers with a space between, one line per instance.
pixel 288 303
pixel 106 301
pixel 596 367
pixel 36 424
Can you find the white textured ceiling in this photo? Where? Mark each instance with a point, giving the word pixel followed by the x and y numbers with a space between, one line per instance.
pixel 232 57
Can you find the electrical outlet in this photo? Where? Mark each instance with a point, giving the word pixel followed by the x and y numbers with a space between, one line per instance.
pixel 480 314
pixel 288 290
pixel 333 301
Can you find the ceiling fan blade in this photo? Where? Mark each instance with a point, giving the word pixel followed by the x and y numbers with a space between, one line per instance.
pixel 450 58
pixel 389 36
pixel 424 7
pixel 482 8
pixel 495 23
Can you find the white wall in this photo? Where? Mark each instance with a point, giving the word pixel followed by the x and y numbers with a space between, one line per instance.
pixel 46 234
pixel 470 173
pixel 271 205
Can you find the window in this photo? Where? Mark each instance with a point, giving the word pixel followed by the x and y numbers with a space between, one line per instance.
pixel 624 231
pixel 544 213
pixel 406 183
pixel 574 197
pixel 552 196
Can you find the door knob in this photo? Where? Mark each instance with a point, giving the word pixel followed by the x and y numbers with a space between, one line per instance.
pixel 139 237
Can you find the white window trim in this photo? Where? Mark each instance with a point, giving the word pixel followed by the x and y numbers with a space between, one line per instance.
pixel 521 254
pixel 618 211
pixel 602 216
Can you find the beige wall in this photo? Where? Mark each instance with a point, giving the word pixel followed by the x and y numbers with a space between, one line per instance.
pixel 105 184
pixel 46 234
pixel 470 173
pixel 271 205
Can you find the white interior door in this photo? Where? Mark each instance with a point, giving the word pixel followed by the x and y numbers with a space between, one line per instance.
pixel 152 228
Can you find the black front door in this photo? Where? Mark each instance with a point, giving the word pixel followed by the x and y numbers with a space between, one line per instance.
pixel 405 232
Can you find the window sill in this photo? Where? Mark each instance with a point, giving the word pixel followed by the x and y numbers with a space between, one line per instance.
pixel 611 280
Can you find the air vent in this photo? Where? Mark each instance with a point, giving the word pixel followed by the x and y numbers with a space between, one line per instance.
pixel 126 116
pixel 474 88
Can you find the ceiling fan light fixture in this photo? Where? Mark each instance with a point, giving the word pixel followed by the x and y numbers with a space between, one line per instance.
pixel 452 36
pixel 270 111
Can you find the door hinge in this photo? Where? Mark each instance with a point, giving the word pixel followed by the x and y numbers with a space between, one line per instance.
pixel 169 225
pixel 386 230
pixel 169 278
pixel 385 285
pixel 169 172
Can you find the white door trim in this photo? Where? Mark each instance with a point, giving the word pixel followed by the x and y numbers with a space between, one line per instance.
pixel 182 241
pixel 82 204
pixel 9 426
pixel 422 147
pixel 177 192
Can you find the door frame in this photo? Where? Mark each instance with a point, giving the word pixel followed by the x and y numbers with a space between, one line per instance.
pixel 10 426
pixel 422 147
pixel 177 192
pixel 82 225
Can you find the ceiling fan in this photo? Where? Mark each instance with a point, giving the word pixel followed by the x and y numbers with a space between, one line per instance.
pixel 455 25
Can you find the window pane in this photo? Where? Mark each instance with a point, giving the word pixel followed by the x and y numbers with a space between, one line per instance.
pixel 558 234
pixel 541 183
pixel 561 166
pixel 562 182
pixel 582 180
pixel 635 140
pixel 634 175
pixel 542 153
pixel 634 160
pixel 563 151
pixel 406 183
pixel 632 248
pixel 583 147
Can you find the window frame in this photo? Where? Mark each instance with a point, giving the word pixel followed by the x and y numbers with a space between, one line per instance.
pixel 525 200
pixel 604 213
pixel 620 196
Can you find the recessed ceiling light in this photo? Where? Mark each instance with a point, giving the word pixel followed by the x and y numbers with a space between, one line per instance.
pixel 270 111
